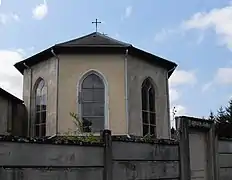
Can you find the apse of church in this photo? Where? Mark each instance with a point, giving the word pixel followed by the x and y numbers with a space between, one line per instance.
pixel 104 81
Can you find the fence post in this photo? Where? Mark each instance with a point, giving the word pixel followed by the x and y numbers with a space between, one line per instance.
pixel 107 155
pixel 183 133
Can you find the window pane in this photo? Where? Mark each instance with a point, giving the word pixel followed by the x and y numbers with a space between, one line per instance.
pixel 144 98
pixel 93 109
pixel 98 109
pixel 43 117
pixel 87 109
pixel 37 119
pixel 145 117
pixel 88 81
pixel 37 100
pixel 87 94
pixel 97 124
pixel 145 129
pixel 151 99
pixel 152 118
pixel 37 127
pixel 38 108
pixel 99 95
pixel 43 130
pixel 152 130
pixel 98 83
pixel 43 100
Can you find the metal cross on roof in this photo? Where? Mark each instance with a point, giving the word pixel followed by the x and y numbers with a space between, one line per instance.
pixel 96 23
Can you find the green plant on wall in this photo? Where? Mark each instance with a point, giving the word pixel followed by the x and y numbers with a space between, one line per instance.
pixel 82 130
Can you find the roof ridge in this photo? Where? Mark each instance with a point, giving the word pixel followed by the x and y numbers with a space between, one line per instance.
pixel 112 39
pixel 72 40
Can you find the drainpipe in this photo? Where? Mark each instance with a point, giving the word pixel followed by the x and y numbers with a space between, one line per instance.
pixel 30 106
pixel 57 89
pixel 126 91
pixel 168 100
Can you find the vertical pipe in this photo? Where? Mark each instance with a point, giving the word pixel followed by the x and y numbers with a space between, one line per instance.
pixel 126 91
pixel 57 89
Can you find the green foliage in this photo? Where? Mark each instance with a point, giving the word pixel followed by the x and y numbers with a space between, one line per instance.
pixel 78 133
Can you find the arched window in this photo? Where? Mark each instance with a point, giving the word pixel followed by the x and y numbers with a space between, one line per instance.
pixel 92 101
pixel 148 108
pixel 40 108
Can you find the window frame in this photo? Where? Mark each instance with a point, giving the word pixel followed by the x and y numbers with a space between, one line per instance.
pixel 147 110
pixel 106 97
pixel 41 111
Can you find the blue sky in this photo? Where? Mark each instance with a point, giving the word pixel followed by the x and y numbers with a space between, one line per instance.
pixel 197 35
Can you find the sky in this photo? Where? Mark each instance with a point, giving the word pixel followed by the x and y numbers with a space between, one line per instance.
pixel 197 35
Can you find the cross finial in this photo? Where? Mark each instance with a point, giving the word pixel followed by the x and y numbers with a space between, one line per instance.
pixel 96 22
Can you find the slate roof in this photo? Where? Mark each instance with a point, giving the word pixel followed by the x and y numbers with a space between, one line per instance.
pixel 95 43
pixel 8 95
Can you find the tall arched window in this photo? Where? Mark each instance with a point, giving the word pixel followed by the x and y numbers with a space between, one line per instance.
pixel 148 108
pixel 92 101
pixel 40 108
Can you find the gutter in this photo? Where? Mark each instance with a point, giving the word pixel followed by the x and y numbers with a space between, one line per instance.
pixel 168 100
pixel 30 105
pixel 57 89
pixel 126 91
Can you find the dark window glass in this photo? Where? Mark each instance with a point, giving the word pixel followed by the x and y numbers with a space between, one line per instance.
pixel 41 108
pixel 145 129
pixel 148 107
pixel 93 102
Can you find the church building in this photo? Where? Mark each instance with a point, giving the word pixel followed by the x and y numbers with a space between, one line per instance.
pixel 109 83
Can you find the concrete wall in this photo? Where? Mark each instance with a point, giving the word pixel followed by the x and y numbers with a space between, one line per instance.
pixel 71 69
pixel 12 117
pixel 133 160
pixel 225 159
pixel 110 160
pixel 138 70
pixel 48 71
pixel 4 111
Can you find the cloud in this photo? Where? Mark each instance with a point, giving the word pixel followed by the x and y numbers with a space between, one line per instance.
pixel 218 19
pixel 127 13
pixel 207 86
pixel 223 76
pixel 182 77
pixel 174 95
pixel 6 18
pixel 10 78
pixel 40 11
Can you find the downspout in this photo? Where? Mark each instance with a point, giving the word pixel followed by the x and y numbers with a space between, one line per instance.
pixel 29 115
pixel 126 91
pixel 168 100
pixel 57 89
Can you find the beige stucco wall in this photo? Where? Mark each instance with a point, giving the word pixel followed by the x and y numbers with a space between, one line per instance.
pixel 138 70
pixel 48 71
pixel 71 69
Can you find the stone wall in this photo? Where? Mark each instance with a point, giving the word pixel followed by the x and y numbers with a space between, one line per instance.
pixel 112 158
pixel 225 159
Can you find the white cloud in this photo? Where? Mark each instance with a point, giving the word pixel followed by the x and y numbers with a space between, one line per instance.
pixel 207 86
pixel 174 95
pixel 10 78
pixel 218 19
pixel 40 11
pixel 182 77
pixel 127 13
pixel 223 76
pixel 6 18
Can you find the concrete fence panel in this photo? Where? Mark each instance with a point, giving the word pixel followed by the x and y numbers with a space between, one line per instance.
pixel 225 159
